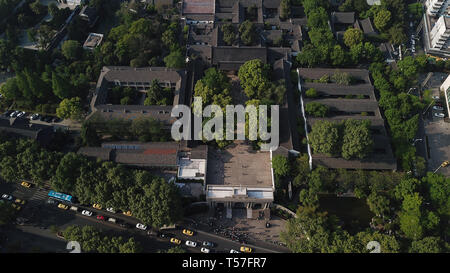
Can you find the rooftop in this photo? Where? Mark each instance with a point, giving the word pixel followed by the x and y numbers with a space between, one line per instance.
pixel 198 6
pixel 93 40
pixel 239 165
pixel 149 154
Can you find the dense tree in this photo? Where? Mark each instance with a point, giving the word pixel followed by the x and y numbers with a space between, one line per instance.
pixel 67 172
pixel 428 245
pixel 70 108
pixel 248 33
pixel 175 59
pixel 280 165
pixel 311 93
pixel 156 95
pixel 229 33
pixel 285 9
pixel 254 78
pixel 357 140
pixel 410 217
pixel 381 19
pixel 316 109
pixel 338 56
pixel 71 49
pixel 353 36
pixel 95 241
pixel 324 138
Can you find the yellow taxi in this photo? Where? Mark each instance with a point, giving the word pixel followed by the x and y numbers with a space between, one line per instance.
pixel 246 249
pixel 97 206
pixel 128 213
pixel 26 184
pixel 19 201
pixel 445 163
pixel 16 207
pixel 188 232
pixel 175 241
pixel 62 206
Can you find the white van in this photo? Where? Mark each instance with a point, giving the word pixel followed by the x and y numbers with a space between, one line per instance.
pixel 112 220
pixel 74 208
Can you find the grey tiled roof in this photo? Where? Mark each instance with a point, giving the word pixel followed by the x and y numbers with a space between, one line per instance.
pixel 23 128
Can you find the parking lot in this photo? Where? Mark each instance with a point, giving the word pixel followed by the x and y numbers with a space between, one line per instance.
pixel 436 130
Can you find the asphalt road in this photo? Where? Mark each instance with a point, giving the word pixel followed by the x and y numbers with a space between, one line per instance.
pixel 35 233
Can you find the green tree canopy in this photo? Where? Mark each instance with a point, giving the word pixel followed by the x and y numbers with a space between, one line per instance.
pixel 353 36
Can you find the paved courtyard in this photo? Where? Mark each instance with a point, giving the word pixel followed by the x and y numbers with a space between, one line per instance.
pixel 254 229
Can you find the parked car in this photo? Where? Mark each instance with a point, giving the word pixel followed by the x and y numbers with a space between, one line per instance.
pixel 267 225
pixel 7 197
pixel 62 206
pixel 246 249
pixel 21 114
pixel 86 213
pixel 42 118
pixel 20 201
pixel 74 208
pixel 14 114
pixel 35 116
pixel 48 119
pixel 436 98
pixel 101 217
pixel 112 210
pixel 56 120
pixel 208 244
pixel 188 232
pixel 191 243
pixel 175 241
pixel 439 115
pixel 26 184
pixel 438 108
pixel 141 226
pixel 128 213
pixel 205 250
pixel 97 206
pixel 16 207
pixel 112 220
pixel 234 251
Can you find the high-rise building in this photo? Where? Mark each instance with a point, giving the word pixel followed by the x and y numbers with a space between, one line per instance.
pixel 440 34
pixel 436 7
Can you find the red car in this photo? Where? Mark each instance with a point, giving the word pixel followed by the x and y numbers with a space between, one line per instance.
pixel 100 217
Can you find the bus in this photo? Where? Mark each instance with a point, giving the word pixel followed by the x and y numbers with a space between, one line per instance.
pixel 60 196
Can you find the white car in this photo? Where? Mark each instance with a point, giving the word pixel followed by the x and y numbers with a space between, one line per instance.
pixel 204 250
pixel 112 210
pixel 439 115
pixel 112 220
pixel 7 197
pixel 234 251
pixel 191 244
pixel 35 116
pixel 436 98
pixel 21 114
pixel 141 226
pixel 86 213
pixel 438 108
pixel 14 114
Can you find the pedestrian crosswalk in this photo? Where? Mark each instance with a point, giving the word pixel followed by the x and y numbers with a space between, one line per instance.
pixel 37 199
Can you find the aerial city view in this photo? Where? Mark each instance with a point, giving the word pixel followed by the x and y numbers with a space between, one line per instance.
pixel 224 126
